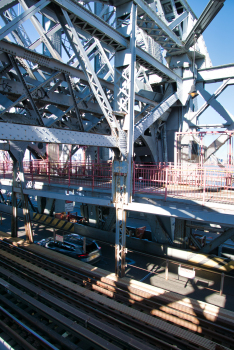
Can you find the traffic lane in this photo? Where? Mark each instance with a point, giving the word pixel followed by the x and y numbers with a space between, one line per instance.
pixel 150 270
pixel 139 266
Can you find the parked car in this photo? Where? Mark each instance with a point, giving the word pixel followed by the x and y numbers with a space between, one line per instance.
pixel 72 245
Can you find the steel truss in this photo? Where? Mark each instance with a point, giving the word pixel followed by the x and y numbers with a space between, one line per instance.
pixel 105 83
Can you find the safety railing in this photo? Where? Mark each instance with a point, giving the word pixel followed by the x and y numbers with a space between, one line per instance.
pixel 203 184
pixel 6 169
pixel 94 175
pixel 162 179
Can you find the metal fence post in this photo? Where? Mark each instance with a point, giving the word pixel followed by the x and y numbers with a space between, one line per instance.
pixel 31 170
pixel 134 179
pixel 166 184
pixel 221 284
pixel 49 171
pixel 204 185
pixel 69 175
pixel 166 271
pixel 92 175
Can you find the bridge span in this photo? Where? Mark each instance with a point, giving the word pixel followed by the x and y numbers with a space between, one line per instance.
pixel 104 110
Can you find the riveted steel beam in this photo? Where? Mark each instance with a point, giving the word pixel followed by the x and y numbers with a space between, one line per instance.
pixel 17 132
pixel 69 82
pixel 28 93
pixel 91 76
pixel 96 27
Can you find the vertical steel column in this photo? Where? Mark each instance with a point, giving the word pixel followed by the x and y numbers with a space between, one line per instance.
pixel 176 150
pixel 131 103
pixel 24 198
pixel 117 240
pixel 14 223
pixel 221 284
pixel 119 198
pixel 120 241
pixel 124 106
pixel 202 151
pixel 17 150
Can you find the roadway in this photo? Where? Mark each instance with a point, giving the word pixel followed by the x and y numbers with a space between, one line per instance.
pixel 151 270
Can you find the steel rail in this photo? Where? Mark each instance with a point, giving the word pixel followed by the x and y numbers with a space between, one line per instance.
pixel 71 308
pixel 18 327
pixel 146 332
pixel 49 316
pixel 148 305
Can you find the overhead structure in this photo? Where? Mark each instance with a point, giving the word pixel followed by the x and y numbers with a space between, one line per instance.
pixel 110 75
pixel 211 10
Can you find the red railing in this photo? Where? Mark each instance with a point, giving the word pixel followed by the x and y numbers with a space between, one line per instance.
pixel 194 182
pixel 204 184
pixel 94 175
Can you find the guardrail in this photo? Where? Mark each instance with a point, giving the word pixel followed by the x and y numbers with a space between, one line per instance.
pixel 170 270
pixel 213 184
pixel 197 183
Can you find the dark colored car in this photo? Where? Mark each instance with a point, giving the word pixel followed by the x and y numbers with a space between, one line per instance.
pixel 72 245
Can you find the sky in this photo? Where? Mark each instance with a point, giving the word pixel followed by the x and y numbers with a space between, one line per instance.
pixel 219 34
pixel 219 40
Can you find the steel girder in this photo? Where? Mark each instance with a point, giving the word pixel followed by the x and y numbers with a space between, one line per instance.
pixel 44 37
pixel 111 37
pixel 215 74
pixel 154 115
pixel 124 100
pixel 211 10
pixel 8 28
pixel 62 95
pixel 44 96
pixel 149 21
pixel 211 101
pixel 218 241
pixel 87 68
pixel 19 132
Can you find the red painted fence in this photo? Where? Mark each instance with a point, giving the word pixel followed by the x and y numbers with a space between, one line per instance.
pixel 212 184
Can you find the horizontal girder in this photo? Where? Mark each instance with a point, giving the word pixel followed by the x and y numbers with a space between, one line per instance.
pixel 16 132
pixel 216 74
pixel 211 10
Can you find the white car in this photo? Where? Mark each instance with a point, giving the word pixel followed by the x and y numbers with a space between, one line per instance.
pixel 72 246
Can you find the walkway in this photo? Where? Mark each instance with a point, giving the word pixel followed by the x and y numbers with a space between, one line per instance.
pixel 206 184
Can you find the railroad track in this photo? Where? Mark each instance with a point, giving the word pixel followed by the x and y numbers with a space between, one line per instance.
pixel 125 317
